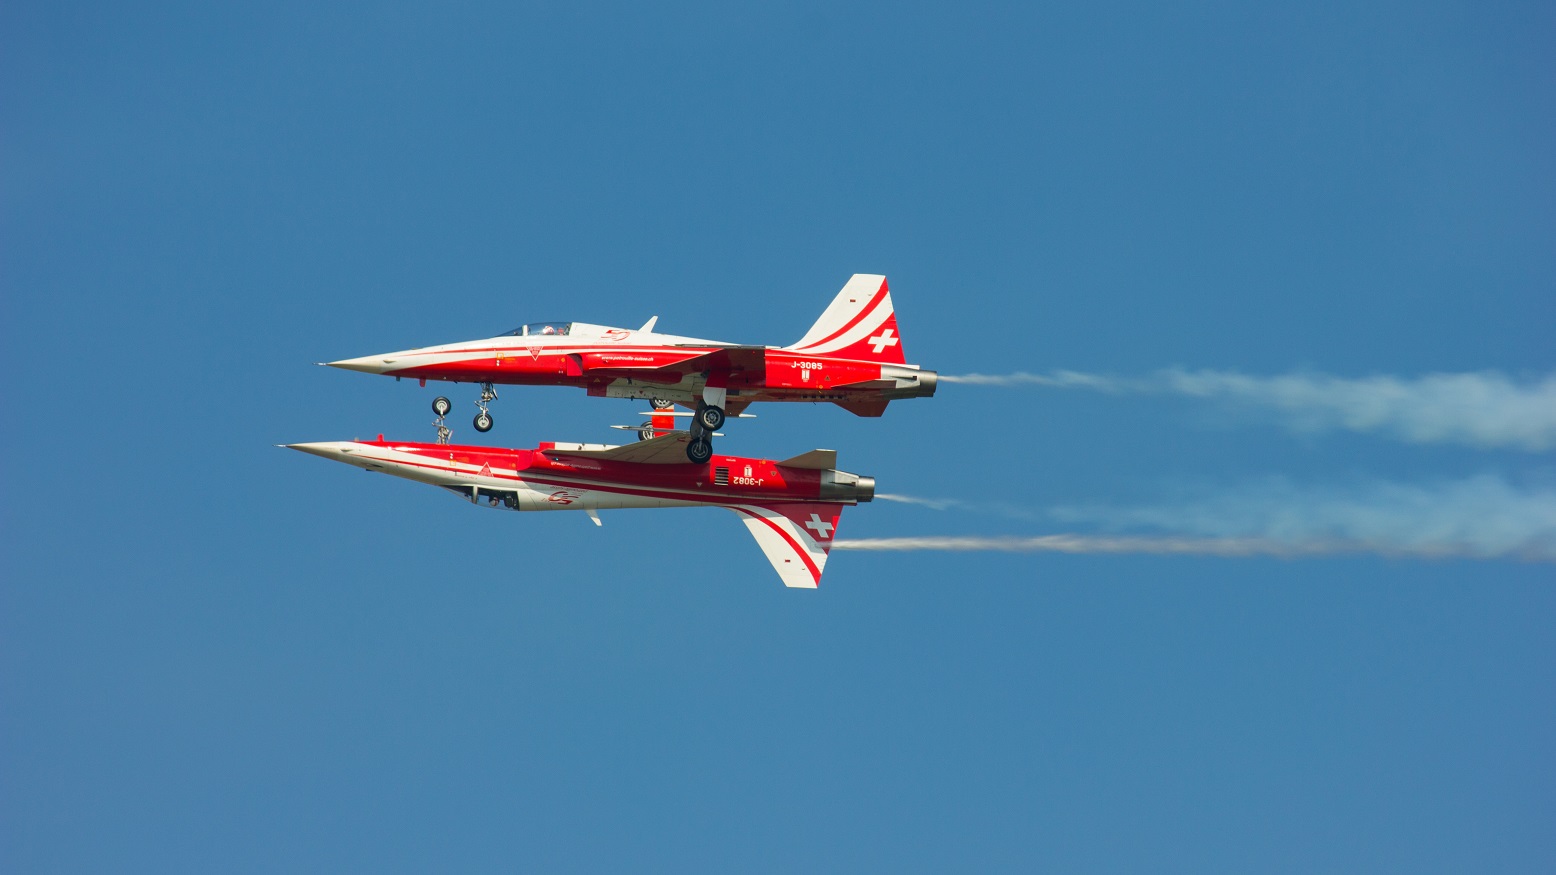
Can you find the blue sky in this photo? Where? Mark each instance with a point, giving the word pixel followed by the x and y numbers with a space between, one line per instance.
pixel 218 655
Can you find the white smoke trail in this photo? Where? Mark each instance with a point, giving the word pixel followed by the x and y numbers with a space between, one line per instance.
pixel 932 503
pixel 1074 543
pixel 1485 409
pixel 1052 379
pixel 1476 516
pixel 986 506
pixel 1480 517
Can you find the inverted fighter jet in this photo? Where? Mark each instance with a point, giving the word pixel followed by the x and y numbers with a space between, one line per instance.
pixel 851 357
pixel 791 507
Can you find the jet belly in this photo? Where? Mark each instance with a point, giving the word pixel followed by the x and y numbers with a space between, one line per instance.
pixel 556 496
pixel 499 483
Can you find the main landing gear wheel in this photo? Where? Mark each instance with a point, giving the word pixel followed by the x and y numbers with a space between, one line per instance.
pixel 441 406
pixel 712 418
pixel 701 447
pixel 483 420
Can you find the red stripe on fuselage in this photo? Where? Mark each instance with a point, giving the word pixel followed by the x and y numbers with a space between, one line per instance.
pixel 554 479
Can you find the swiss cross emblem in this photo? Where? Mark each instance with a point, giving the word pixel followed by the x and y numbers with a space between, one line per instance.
pixel 881 341
pixel 821 527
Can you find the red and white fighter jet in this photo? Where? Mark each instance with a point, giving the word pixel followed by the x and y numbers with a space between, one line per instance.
pixel 791 507
pixel 851 357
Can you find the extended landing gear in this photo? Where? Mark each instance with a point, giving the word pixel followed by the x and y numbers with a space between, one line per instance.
pixel 710 417
pixel 700 449
pixel 483 420
pixel 441 407
pixel 705 421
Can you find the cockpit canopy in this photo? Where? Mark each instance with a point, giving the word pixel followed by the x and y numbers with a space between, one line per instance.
pixel 564 329
pixel 541 329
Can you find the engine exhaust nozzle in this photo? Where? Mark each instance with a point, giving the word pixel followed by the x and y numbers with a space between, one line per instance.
pixel 865 489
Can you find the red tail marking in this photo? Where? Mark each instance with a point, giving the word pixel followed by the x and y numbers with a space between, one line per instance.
pixel 884 346
pixel 799 550
pixel 868 309
pixel 663 422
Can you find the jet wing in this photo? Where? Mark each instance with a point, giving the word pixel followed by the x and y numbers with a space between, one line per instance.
pixel 667 449
pixel 815 459
pixel 796 537
pixel 730 358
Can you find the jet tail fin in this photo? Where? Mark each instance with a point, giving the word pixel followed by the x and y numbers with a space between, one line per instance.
pixel 860 324
pixel 796 537
pixel 662 421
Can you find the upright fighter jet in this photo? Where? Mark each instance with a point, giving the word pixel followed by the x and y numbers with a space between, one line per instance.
pixel 851 357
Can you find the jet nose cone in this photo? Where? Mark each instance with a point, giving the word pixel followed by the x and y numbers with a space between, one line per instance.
pixel 324 449
pixel 368 364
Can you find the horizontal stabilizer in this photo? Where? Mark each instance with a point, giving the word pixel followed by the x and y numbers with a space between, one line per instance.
pixel 864 406
pixel 796 537
pixel 820 460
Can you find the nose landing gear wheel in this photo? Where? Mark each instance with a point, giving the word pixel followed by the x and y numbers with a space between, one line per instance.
pixel 483 422
pixel 699 450
pixel 441 407
pixel 712 418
